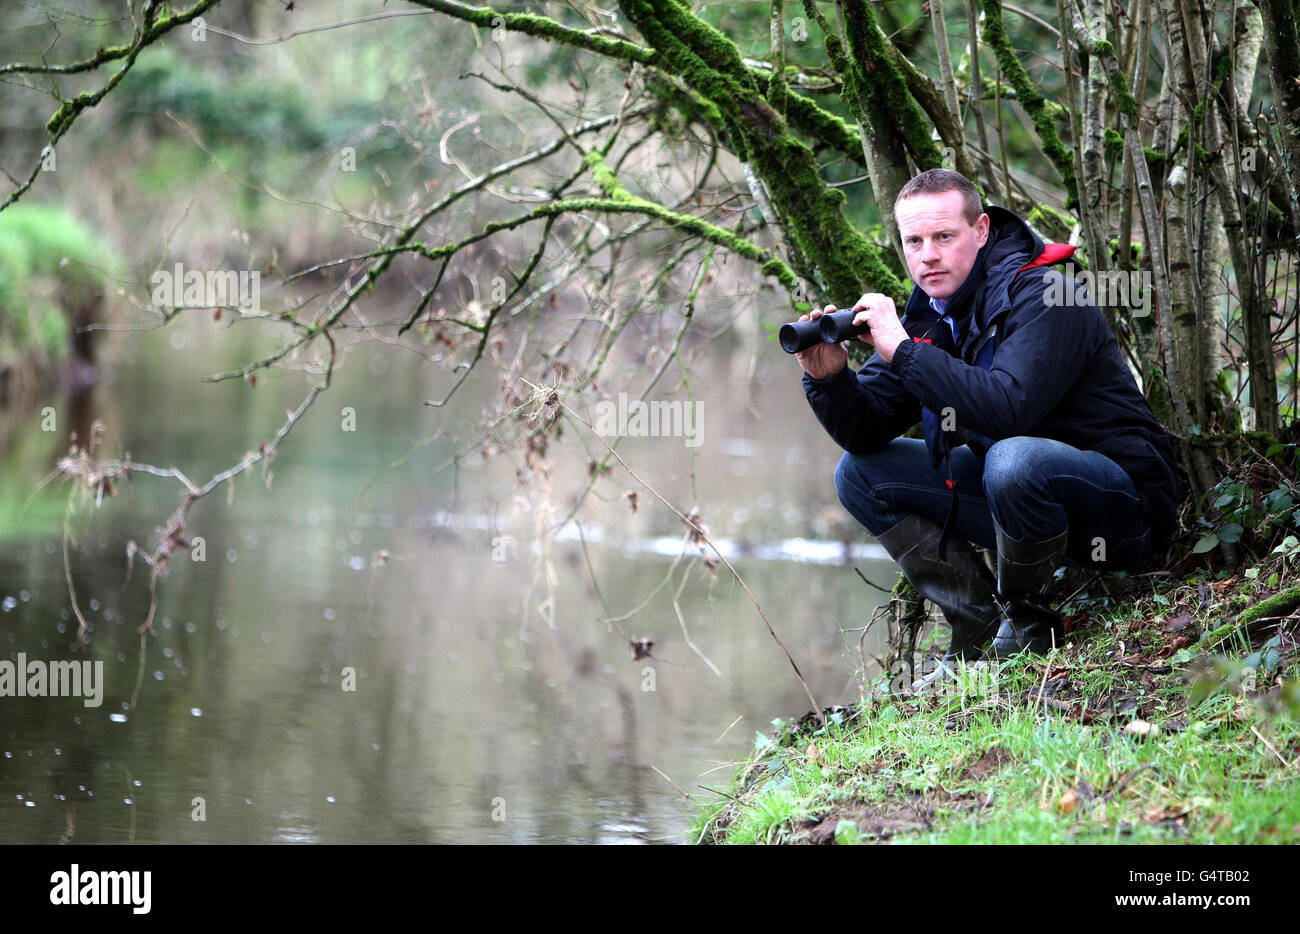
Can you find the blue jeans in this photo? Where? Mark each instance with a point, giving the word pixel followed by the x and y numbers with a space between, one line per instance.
pixel 1033 488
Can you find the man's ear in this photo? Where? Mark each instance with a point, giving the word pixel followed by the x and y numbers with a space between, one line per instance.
pixel 982 229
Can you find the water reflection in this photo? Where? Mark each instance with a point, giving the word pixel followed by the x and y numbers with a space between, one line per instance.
pixel 344 669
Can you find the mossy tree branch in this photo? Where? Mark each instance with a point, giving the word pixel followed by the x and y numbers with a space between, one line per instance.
pixel 541 27
pixel 893 107
pixel 1030 98
pixel 149 31
pixel 847 263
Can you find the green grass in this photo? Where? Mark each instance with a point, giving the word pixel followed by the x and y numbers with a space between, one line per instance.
pixel 1009 766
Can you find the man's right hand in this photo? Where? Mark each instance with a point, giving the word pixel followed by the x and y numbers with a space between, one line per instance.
pixel 822 361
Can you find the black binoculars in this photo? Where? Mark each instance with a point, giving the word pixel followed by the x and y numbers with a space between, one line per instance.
pixel 828 329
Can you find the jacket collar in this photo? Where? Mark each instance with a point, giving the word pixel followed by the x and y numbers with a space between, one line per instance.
pixel 1011 244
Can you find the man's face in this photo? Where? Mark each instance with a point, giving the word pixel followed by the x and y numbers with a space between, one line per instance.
pixel 938 241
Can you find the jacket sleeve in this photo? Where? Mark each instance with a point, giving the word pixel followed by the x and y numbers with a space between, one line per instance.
pixel 1041 353
pixel 865 411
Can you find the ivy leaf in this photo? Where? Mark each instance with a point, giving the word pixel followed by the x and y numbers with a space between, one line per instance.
pixel 1276 449
pixel 1206 542
pixel 1181 657
pixel 1230 533
pixel 1279 500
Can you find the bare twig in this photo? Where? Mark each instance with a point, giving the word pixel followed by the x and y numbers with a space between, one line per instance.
pixel 816 708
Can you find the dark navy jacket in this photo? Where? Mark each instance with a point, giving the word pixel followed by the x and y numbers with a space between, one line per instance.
pixel 1023 368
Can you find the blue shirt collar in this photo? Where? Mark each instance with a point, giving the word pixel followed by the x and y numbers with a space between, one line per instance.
pixel 941 306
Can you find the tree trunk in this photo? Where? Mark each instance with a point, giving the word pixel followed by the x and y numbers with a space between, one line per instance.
pixel 1282 42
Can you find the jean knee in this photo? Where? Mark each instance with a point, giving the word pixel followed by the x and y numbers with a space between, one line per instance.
pixel 847 478
pixel 1006 464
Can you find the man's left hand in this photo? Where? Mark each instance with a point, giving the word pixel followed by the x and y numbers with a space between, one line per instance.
pixel 887 331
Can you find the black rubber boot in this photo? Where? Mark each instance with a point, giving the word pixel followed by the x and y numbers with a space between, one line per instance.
pixel 961 586
pixel 1024 571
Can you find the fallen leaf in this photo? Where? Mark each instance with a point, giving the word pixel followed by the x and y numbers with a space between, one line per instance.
pixel 1074 621
pixel 1171 812
pixel 1180 622
pixel 1174 645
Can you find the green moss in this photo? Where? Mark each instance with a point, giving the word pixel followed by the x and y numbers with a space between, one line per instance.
pixel 1113 143
pixel 1123 96
pixel 1155 161
pixel 824 127
pixel 1280 604
pixel 1030 98
pixel 69 109
pixel 690 106
pixel 604 177
pixel 846 262
pixel 1054 224
pixel 543 27
pixel 892 105
pixel 713 48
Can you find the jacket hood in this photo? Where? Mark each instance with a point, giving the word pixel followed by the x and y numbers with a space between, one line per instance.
pixel 1010 245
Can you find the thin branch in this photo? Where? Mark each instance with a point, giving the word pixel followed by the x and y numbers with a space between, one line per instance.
pixel 704 536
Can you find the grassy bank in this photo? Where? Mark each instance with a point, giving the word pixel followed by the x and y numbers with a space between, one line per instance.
pixel 1171 715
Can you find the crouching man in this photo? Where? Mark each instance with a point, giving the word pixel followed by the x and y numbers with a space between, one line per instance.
pixel 1038 443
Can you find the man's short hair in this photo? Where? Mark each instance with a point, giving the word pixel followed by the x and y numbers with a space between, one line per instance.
pixel 936 182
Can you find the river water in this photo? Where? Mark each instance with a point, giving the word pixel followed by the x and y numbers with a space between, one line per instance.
pixel 380 653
